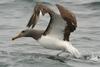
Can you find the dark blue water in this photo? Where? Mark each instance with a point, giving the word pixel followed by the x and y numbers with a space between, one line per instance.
pixel 14 15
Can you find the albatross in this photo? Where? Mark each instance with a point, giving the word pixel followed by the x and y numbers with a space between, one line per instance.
pixel 57 34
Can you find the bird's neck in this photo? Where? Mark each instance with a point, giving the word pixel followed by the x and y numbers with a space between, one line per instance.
pixel 35 34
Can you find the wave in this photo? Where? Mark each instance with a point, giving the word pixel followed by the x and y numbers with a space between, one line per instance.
pixel 6 1
pixel 92 4
pixel 28 0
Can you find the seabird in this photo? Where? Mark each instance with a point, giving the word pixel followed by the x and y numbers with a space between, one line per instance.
pixel 56 35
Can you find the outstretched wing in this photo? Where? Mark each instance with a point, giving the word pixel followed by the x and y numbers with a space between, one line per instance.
pixel 70 18
pixel 62 25
pixel 34 18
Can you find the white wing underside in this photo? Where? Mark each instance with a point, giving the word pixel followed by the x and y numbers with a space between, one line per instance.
pixel 57 28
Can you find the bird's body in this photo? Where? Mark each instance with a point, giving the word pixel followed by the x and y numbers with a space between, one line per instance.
pixel 56 35
pixel 57 44
pixel 52 43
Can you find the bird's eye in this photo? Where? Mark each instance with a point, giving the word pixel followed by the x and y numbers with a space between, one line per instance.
pixel 23 31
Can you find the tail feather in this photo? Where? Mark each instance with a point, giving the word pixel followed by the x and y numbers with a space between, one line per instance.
pixel 73 51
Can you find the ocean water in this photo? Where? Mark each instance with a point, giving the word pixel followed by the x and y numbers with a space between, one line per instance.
pixel 15 14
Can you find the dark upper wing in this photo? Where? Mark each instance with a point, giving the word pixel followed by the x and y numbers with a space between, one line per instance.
pixel 33 20
pixel 70 19
pixel 68 16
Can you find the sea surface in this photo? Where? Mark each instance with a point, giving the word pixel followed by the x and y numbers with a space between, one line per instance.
pixel 14 16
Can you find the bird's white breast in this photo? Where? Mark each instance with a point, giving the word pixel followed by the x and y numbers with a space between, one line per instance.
pixel 52 43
